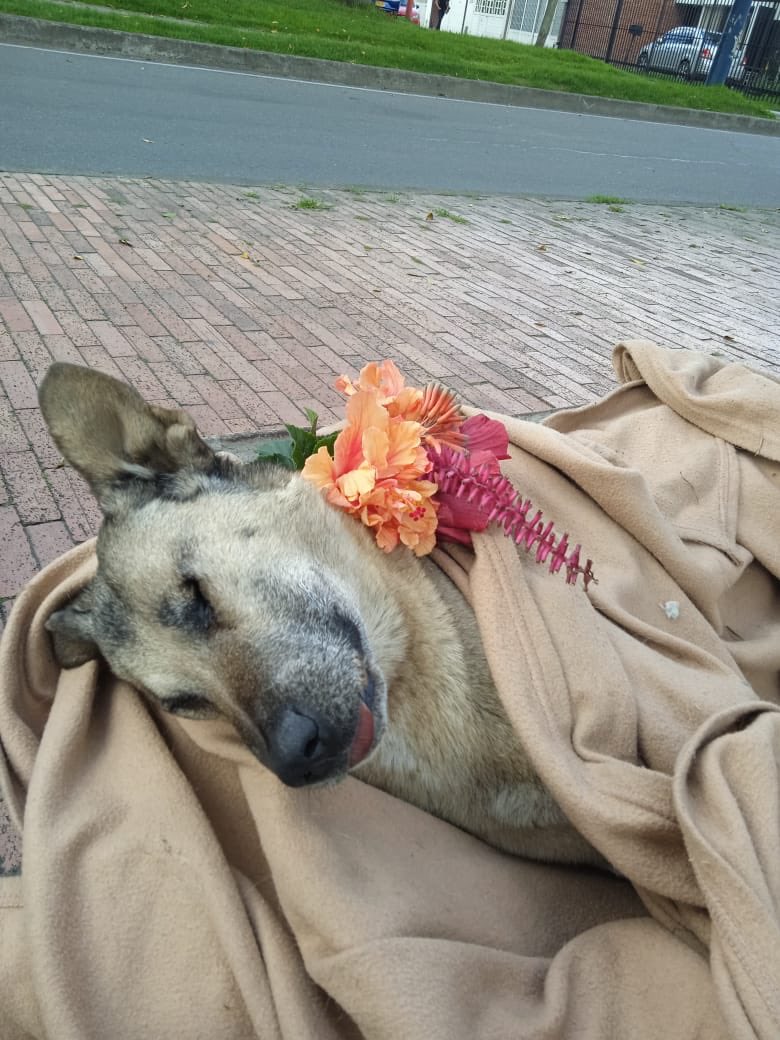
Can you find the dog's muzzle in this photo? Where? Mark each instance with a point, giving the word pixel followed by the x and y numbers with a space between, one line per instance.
pixel 304 747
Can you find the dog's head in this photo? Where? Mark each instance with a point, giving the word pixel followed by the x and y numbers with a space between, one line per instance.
pixel 224 590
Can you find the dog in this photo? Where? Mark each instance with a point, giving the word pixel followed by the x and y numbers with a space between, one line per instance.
pixel 237 591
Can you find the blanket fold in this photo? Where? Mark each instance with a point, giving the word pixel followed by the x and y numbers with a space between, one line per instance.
pixel 171 887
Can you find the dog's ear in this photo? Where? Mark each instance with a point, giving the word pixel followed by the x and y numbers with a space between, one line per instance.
pixel 72 630
pixel 107 432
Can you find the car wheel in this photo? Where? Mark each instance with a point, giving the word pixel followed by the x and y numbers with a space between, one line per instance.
pixel 684 69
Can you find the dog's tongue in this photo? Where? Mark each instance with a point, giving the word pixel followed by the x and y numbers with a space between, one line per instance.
pixel 364 737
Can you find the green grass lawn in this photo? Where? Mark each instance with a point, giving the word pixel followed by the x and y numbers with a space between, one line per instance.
pixel 366 36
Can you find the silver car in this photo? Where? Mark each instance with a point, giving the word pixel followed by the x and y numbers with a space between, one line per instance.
pixel 686 51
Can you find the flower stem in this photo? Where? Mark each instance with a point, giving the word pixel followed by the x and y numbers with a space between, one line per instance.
pixel 504 505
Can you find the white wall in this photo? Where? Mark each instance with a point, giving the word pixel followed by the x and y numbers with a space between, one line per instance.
pixel 463 16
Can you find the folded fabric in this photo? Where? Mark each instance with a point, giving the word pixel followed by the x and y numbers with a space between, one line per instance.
pixel 171 887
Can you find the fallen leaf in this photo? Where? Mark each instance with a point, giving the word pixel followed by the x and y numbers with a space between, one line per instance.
pixel 729 338
pixel 245 256
pixel 542 249
pixel 429 216
pixel 639 263
pixel 146 140
pixel 124 242
pixel 77 257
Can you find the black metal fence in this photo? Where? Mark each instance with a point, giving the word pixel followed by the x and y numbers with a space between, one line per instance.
pixel 678 39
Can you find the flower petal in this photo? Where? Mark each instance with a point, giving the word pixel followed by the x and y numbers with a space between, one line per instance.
pixel 382 377
pixel 376 445
pixel 357 482
pixel 486 440
pixel 319 468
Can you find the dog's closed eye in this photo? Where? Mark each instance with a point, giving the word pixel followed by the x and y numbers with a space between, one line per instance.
pixel 190 610
pixel 200 612
pixel 189 705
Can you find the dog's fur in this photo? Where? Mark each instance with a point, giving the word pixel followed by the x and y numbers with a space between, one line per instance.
pixel 238 591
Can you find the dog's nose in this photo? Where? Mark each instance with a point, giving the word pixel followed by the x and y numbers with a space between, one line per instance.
pixel 302 747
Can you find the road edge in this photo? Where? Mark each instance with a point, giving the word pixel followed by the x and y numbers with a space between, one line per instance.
pixel 84 39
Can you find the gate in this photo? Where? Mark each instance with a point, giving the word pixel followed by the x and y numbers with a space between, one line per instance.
pixel 677 39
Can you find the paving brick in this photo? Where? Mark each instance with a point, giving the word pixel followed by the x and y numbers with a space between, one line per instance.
pixel 144 345
pixel 8 348
pixel 254 345
pixel 208 422
pixel 216 398
pixel 27 489
pixel 143 317
pixel 49 541
pixel 112 339
pixel 77 505
pixel 281 406
pixel 17 384
pixel 85 305
pixel 114 309
pixel 255 412
pixel 138 374
pixel 38 437
pixel 15 316
pixel 62 348
pixel 178 386
pixel 24 287
pixel 17 564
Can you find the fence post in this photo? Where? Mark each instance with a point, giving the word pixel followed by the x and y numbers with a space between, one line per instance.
pixel 613 33
pixel 576 28
pixel 721 63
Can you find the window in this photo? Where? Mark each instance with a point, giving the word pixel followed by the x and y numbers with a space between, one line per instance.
pixel 490 7
pixel 527 16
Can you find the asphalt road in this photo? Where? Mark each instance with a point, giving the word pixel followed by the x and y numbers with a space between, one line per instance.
pixel 68 113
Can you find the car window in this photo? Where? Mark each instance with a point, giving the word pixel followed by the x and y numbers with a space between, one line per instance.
pixel 711 37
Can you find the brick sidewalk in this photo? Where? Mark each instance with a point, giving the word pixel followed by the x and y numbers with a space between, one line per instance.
pixel 243 308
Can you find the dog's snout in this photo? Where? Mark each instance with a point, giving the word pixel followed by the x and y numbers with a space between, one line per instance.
pixel 302 747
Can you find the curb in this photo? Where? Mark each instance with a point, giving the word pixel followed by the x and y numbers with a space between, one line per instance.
pixel 92 40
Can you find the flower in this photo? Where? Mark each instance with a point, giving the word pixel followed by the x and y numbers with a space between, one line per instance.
pixel 379 377
pixel 376 474
pixel 412 468
pixel 435 408
pixel 472 496
pixel 486 440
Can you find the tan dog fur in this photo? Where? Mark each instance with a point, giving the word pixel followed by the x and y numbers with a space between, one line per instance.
pixel 238 591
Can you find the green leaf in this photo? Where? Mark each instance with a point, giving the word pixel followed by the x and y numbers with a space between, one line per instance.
pixel 291 452
pixel 278 450
pixel 313 419
pixel 326 442
pixel 303 442
pixel 278 459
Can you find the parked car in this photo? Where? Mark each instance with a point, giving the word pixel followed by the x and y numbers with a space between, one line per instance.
pixel 686 51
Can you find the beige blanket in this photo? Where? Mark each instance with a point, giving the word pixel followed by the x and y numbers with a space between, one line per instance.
pixel 171 888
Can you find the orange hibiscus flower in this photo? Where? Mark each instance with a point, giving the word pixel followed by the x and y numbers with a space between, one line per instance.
pixel 375 473
pixel 436 409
